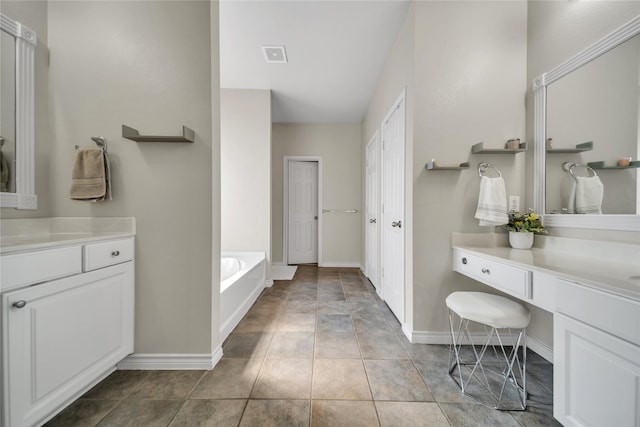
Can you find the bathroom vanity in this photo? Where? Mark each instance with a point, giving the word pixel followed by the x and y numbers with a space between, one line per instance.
pixel 595 301
pixel 67 313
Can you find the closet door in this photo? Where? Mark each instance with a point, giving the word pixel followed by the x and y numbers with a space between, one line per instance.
pixel 393 171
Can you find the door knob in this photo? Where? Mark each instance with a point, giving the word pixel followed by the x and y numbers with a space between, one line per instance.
pixel 315 217
pixel 397 224
pixel 372 221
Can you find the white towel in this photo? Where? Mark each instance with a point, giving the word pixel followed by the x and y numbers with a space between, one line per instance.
pixel 492 202
pixel 589 194
pixel 568 194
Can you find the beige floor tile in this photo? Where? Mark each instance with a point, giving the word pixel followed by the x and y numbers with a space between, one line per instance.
pixel 167 385
pixel 209 413
pixel 414 414
pixel 340 379
pixel 117 385
pixel 396 380
pixel 230 379
pixel 340 413
pixel 284 379
pixel 248 344
pixel 295 345
pixel 297 322
pixel 381 346
pixel 337 346
pixel 83 412
pixel 276 413
pixel 148 413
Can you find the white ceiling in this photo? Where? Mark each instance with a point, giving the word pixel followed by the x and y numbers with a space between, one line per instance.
pixel 336 51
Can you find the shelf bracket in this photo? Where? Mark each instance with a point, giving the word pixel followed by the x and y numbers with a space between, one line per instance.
pixel 188 135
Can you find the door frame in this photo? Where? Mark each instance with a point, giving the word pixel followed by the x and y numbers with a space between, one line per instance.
pixel 285 204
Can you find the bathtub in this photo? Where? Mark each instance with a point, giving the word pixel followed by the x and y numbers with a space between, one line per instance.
pixel 242 279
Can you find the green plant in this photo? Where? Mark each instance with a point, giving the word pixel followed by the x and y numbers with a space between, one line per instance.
pixel 525 222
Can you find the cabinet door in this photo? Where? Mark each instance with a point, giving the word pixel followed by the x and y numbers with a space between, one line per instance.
pixel 60 336
pixel 596 377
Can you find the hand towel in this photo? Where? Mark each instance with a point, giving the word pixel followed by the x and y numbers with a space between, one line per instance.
pixel 492 202
pixel 589 194
pixel 568 194
pixel 4 173
pixel 90 177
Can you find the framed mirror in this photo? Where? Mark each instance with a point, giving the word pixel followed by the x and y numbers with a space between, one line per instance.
pixel 17 177
pixel 587 137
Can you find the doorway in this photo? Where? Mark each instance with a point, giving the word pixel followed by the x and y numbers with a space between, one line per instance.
pixel 302 222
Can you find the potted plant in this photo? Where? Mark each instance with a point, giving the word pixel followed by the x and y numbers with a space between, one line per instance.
pixel 522 226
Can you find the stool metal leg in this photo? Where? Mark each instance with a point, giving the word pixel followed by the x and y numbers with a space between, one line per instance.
pixel 513 374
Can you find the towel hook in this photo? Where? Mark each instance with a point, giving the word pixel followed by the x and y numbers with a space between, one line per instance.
pixel 482 167
pixel 100 142
pixel 569 166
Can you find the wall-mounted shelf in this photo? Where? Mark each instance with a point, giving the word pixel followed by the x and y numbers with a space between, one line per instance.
pixel 585 146
pixel 434 167
pixel 188 135
pixel 601 165
pixel 479 149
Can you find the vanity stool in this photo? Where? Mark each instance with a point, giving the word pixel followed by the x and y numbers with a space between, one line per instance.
pixel 498 377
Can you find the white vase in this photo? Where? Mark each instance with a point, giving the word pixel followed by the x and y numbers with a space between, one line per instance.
pixel 520 240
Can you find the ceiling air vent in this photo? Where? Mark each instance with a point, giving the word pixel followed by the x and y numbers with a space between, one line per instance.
pixel 275 54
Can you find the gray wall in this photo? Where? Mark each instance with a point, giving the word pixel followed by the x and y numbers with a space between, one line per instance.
pixel 147 65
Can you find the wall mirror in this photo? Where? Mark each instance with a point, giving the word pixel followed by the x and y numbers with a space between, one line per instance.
pixel 17 134
pixel 586 134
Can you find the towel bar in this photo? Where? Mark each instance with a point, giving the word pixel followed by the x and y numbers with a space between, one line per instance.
pixel 339 210
pixel 569 166
pixel 482 167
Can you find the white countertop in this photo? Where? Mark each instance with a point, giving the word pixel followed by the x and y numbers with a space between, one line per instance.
pixel 17 235
pixel 607 266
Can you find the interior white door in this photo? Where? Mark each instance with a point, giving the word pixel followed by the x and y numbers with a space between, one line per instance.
pixel 371 217
pixel 302 244
pixel 392 227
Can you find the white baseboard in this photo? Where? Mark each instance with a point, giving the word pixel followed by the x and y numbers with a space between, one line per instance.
pixel 427 337
pixel 268 283
pixel 171 361
pixel 341 264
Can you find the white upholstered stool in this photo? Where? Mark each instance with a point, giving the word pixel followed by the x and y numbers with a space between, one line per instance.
pixel 498 377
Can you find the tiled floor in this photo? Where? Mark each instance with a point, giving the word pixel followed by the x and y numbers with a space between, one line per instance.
pixel 320 350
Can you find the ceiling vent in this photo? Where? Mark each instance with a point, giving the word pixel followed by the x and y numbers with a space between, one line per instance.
pixel 275 54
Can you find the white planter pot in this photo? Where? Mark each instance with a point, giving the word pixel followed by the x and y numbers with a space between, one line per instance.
pixel 519 240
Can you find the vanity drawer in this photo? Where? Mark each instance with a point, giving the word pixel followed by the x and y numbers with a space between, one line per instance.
pixel 607 312
pixel 512 280
pixel 104 254
pixel 29 268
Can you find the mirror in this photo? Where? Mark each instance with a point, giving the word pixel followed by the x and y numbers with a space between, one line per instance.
pixel 586 116
pixel 17 178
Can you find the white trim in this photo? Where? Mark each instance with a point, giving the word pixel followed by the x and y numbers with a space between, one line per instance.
pixel 24 197
pixel 153 361
pixel 444 338
pixel 240 312
pixel 604 222
pixel 268 283
pixel 285 203
pixel 277 263
pixel 340 264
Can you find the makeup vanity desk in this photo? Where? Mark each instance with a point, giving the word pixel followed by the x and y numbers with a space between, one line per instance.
pixel 593 290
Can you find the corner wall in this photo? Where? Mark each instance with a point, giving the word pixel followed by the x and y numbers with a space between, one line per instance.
pixel 147 65
pixel 245 153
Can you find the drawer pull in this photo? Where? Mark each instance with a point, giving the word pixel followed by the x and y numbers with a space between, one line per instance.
pixel 464 260
pixel 486 271
pixel 19 304
pixel 115 253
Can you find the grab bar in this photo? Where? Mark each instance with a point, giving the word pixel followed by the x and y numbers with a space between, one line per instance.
pixel 569 166
pixel 482 167
pixel 339 210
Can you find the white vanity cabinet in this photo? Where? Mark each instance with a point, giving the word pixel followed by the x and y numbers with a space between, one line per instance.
pixel 61 336
pixel 596 358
